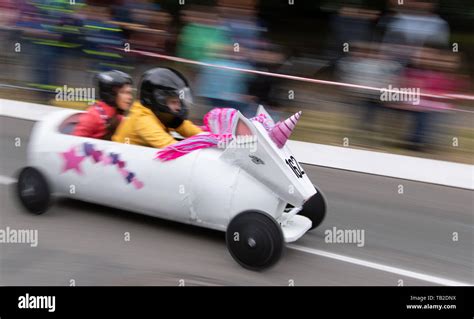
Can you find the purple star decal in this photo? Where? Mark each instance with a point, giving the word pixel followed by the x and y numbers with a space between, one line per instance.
pixel 129 177
pixel 114 157
pixel 97 156
pixel 88 149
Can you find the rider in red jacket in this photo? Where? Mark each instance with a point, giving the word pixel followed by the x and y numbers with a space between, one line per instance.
pixel 115 98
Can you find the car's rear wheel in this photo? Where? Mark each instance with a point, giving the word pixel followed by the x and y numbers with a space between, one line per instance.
pixel 255 240
pixel 315 209
pixel 33 190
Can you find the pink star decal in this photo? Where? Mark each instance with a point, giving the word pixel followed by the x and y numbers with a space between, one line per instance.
pixel 72 161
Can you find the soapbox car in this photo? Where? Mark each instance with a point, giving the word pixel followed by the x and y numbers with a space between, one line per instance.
pixel 252 189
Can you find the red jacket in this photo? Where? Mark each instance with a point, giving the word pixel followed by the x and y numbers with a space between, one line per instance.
pixel 97 122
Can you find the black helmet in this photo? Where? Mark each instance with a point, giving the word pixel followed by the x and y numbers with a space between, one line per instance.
pixel 156 86
pixel 108 83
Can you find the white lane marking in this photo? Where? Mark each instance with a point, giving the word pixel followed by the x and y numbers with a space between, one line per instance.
pixel 369 264
pixel 6 180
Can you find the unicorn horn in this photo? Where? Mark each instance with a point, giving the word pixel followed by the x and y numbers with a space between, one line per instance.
pixel 282 130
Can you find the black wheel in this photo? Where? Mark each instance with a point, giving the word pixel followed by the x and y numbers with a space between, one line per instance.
pixel 315 209
pixel 33 190
pixel 255 240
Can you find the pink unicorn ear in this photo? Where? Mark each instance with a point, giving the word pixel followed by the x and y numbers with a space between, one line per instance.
pixel 242 126
pixel 242 129
pixel 281 132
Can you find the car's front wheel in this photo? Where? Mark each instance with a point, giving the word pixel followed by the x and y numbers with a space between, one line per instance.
pixel 315 209
pixel 33 190
pixel 255 240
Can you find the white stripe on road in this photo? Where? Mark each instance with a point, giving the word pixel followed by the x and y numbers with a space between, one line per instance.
pixel 6 180
pixel 369 264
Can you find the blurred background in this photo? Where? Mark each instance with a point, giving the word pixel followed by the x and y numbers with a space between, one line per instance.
pixel 427 45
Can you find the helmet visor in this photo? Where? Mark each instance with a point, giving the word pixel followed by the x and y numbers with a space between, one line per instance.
pixel 183 95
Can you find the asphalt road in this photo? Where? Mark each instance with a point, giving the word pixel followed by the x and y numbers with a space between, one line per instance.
pixel 85 243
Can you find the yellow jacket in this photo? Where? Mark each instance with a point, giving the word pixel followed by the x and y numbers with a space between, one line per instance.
pixel 142 127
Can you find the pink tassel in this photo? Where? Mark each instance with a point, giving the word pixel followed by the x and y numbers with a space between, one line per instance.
pixel 186 146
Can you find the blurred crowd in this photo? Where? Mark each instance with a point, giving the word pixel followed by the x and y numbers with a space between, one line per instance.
pixel 407 45
pixel 406 48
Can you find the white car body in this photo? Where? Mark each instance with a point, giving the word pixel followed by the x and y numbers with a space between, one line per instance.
pixel 206 187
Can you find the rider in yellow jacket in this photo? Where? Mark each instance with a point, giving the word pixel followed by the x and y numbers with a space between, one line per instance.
pixel 164 98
